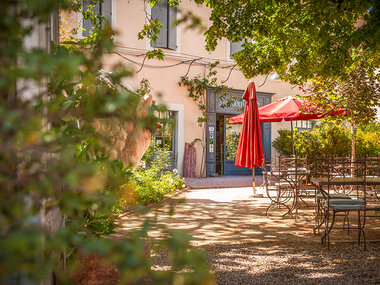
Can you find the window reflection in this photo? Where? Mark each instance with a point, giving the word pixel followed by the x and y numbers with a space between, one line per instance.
pixel 232 139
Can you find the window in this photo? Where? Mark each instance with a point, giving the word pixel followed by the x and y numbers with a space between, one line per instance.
pixel 102 8
pixel 236 46
pixel 165 136
pixel 304 125
pixel 166 15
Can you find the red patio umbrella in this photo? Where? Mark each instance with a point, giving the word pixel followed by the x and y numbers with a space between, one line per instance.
pixel 287 109
pixel 250 149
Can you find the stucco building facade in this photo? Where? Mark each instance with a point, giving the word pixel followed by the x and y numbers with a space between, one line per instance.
pixel 185 54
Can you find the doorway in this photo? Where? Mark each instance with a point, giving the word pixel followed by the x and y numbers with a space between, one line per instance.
pixel 227 141
pixel 221 140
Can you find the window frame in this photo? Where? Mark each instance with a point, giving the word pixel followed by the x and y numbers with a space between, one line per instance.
pixel 305 125
pixel 170 43
pixel 111 17
pixel 172 115
pixel 173 151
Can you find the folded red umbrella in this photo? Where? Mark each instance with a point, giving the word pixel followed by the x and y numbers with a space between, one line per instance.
pixel 250 149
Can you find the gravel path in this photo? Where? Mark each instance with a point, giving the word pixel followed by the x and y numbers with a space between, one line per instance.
pixel 222 182
pixel 292 263
pixel 243 246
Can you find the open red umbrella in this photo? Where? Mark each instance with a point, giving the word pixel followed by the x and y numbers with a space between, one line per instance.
pixel 287 109
pixel 250 149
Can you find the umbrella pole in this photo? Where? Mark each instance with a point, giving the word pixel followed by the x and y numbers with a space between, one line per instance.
pixel 291 128
pixel 253 181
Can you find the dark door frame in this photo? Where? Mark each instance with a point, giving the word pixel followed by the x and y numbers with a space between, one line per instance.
pixel 214 109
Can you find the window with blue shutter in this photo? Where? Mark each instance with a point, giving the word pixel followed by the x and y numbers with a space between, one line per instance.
pixel 103 8
pixel 166 15
pixel 236 46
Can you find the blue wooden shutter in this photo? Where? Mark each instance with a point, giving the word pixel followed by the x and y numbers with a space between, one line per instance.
pixel 87 25
pixel 236 46
pixel 172 28
pixel 107 10
pixel 160 12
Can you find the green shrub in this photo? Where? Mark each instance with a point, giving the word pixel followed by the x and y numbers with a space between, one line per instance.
pixel 283 143
pixel 58 183
pixel 329 140
pixel 232 142
pixel 367 143
pixel 151 181
pixel 335 140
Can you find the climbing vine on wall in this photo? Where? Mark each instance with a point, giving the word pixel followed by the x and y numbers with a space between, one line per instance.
pixel 197 91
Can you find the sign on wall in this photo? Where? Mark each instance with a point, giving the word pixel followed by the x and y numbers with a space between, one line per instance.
pixel 211 139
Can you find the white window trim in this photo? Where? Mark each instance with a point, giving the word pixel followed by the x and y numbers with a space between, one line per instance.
pixel 80 25
pixel 148 47
pixel 80 20
pixel 228 49
pixel 114 15
pixel 180 139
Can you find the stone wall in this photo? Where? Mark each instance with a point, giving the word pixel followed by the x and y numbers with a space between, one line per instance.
pixel 129 142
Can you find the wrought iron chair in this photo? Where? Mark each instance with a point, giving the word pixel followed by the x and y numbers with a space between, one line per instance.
pixel 372 190
pixel 282 182
pixel 332 206
pixel 326 167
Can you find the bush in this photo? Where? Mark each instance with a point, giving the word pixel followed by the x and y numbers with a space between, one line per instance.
pixel 58 182
pixel 151 185
pixel 334 140
pixel 329 140
pixel 283 143
pixel 367 143
pixel 232 142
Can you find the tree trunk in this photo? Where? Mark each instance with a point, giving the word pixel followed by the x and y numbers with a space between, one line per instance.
pixel 353 143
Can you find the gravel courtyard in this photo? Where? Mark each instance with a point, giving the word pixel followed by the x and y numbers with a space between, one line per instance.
pixel 243 246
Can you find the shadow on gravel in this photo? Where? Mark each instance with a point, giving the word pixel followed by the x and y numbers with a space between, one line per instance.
pixel 244 246
pixel 293 263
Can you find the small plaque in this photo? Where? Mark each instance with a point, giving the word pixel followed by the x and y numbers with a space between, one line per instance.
pixel 211 148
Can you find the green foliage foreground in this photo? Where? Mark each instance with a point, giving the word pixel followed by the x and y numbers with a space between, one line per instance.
pixel 53 161
pixel 329 140
pixel 151 181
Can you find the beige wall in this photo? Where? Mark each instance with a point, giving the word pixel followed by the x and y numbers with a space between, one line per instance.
pixel 129 20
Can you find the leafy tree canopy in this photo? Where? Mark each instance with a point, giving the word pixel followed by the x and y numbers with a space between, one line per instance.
pixel 358 92
pixel 297 39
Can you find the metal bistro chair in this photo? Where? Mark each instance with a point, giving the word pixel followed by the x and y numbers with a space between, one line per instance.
pixel 372 189
pixel 333 206
pixel 281 183
pixel 327 167
pixel 277 189
pixel 302 180
pixel 341 167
